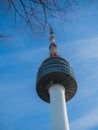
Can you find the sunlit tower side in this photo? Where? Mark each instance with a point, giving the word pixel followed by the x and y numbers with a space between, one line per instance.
pixel 56 84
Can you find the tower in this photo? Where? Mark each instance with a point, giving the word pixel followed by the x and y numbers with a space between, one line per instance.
pixel 56 84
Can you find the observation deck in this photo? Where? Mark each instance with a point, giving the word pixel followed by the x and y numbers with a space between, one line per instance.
pixel 55 70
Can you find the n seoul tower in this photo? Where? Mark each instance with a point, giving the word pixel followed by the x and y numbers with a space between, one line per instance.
pixel 56 84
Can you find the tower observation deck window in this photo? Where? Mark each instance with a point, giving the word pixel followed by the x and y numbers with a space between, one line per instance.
pixel 55 64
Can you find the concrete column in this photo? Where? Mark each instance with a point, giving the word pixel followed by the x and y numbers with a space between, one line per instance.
pixel 58 107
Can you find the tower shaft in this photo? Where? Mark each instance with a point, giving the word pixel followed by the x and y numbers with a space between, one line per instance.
pixel 58 107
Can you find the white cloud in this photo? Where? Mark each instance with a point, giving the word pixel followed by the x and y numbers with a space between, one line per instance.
pixel 87 121
pixel 89 48
pixel 84 56
pixel 19 99
pixel 82 49
pixel 22 56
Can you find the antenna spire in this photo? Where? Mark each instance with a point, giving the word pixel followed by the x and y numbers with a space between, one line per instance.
pixel 53 46
pixel 52 37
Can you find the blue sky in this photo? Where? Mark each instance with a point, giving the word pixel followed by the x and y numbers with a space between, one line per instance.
pixel 21 54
